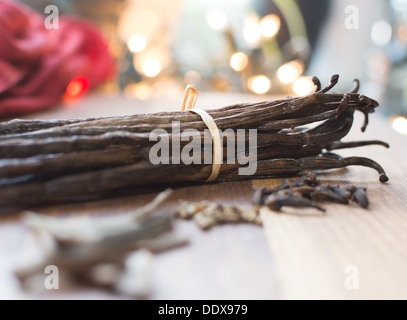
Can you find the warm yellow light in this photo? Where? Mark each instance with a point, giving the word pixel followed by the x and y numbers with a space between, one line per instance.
pixel 251 30
pixel 303 86
pixel 151 68
pixel 137 43
pixel 217 20
pixel 239 61
pixel 269 25
pixel 137 18
pixel 143 91
pixel 290 71
pixel 138 90
pixel 400 125
pixel 259 84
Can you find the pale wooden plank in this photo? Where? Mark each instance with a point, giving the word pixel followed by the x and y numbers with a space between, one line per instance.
pixel 311 252
pixel 226 262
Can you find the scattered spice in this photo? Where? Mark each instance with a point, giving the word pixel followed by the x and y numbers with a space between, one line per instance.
pixel 306 192
pixel 208 214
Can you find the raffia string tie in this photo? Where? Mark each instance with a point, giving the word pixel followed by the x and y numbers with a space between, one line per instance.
pixel 190 97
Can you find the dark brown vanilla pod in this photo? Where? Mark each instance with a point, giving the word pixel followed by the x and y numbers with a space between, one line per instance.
pixel 55 161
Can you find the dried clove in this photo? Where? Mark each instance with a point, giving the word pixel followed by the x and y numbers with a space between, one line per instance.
pixel 344 193
pixel 276 202
pixel 326 194
pixel 306 192
pixel 359 196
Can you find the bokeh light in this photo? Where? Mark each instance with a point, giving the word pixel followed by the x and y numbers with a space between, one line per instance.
pixel 77 87
pixel 151 68
pixel 303 86
pixel 137 20
pixel 137 43
pixel 259 84
pixel 217 20
pixel 239 61
pixel 381 33
pixel 140 90
pixel 400 125
pixel 290 71
pixel 251 30
pixel 270 25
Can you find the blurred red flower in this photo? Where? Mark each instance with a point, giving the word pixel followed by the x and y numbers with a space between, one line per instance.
pixel 37 64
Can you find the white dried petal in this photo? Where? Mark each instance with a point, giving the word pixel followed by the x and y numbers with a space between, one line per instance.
pixel 204 221
pixel 188 210
pixel 136 281
pixel 249 215
pixel 231 214
pixel 214 210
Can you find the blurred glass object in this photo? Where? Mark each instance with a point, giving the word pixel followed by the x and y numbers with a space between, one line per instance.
pixel 373 50
pixel 245 42
pixel 396 51
pixel 259 46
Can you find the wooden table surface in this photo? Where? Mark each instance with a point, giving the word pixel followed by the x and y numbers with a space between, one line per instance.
pixel 293 256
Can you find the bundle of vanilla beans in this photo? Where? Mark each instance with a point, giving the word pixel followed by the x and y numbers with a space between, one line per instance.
pixel 43 162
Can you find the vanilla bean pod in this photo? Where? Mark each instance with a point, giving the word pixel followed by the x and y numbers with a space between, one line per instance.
pixel 286 113
pixel 102 183
pixel 73 160
pixel 18 126
pixel 126 148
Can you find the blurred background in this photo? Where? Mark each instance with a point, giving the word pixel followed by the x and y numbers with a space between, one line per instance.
pixel 262 47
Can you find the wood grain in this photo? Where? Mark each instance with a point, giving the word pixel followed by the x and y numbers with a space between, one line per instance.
pixel 311 252
pixel 229 261
pixel 293 256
